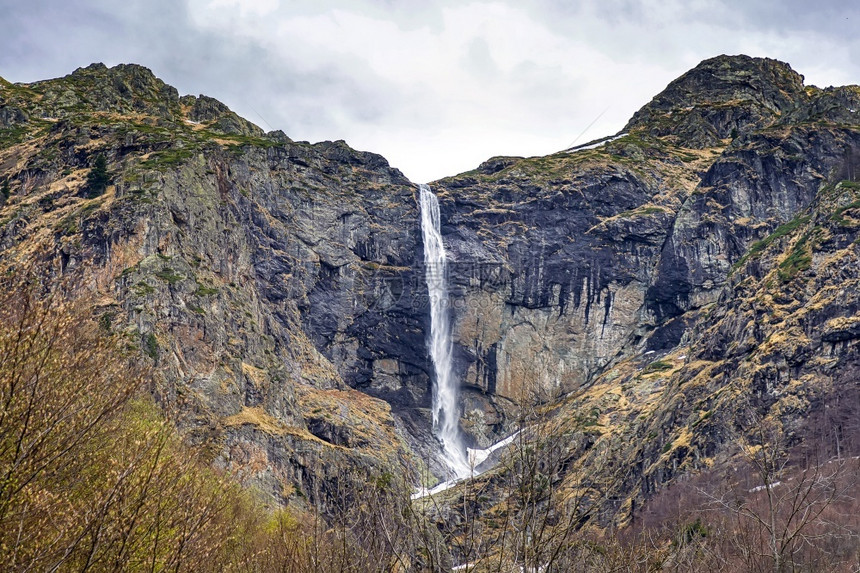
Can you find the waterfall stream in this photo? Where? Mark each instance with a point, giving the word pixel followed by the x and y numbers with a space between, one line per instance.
pixel 446 416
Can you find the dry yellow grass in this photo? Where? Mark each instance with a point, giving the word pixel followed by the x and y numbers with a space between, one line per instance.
pixel 257 417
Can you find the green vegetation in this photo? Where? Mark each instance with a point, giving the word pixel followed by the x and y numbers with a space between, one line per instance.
pixel 686 157
pixel 702 419
pixel 834 189
pixel 642 210
pixel 203 290
pixel 167 159
pixel 151 347
pixel 658 366
pixel 143 289
pixel 838 215
pixel 13 135
pixel 238 139
pixel 799 258
pixel 98 178
pixel 94 478
pixel 129 270
pixel 68 225
pixel 690 532
pixel 782 231
pixel 169 276
pixel 106 320
pixel 114 488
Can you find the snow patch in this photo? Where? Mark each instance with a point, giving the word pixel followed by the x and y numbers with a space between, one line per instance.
pixel 595 144
pixel 761 487
pixel 476 458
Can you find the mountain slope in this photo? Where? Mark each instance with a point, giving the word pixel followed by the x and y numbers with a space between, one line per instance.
pixel 634 296
pixel 698 267
pixel 224 254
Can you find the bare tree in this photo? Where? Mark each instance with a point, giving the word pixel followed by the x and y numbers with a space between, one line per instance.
pixel 57 393
pixel 781 513
pixel 92 477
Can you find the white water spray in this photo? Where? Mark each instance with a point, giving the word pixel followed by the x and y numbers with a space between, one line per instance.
pixel 446 418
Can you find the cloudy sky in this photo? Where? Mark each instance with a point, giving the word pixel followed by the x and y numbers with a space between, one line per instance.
pixel 435 86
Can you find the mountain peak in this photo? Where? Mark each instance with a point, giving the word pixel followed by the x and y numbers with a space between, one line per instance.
pixel 125 88
pixel 129 90
pixel 135 73
pixel 720 98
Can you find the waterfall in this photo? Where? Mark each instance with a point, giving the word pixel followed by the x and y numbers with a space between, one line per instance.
pixel 446 418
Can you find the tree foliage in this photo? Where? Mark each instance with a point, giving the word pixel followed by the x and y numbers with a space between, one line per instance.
pixel 98 178
pixel 92 477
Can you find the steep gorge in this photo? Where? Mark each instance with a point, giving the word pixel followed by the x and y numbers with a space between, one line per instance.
pixel 638 287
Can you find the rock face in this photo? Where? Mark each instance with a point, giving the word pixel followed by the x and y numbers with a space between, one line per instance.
pixel 268 281
pixel 674 276
pixel 574 261
pixel 707 252
pixel 721 98
pixel 556 255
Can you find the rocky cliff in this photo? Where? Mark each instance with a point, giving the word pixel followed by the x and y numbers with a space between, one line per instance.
pixel 698 266
pixel 260 275
pixel 642 283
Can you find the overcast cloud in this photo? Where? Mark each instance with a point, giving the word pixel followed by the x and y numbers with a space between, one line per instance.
pixel 435 86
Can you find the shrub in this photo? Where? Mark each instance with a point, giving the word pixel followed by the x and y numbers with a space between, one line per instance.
pixel 98 178
pixel 92 476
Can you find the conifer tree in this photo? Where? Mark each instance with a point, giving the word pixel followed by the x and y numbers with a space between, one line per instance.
pixel 98 178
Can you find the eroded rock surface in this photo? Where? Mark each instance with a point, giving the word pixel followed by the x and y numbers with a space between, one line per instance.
pixel 639 287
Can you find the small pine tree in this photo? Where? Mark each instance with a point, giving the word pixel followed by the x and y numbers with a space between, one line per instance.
pixel 5 191
pixel 98 178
